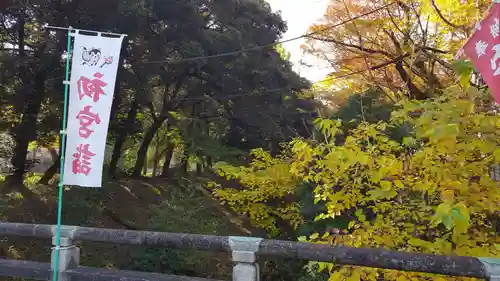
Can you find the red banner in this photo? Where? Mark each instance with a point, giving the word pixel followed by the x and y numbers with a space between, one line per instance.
pixel 483 49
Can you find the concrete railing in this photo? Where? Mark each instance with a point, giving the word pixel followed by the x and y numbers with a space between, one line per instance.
pixel 245 253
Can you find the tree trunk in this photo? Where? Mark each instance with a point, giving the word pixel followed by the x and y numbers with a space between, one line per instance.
pixel 143 149
pixel 185 162
pixel 158 155
pixel 53 153
pixel 209 161
pixel 150 133
pixel 208 158
pixel 121 137
pixel 49 174
pixel 26 130
pixel 18 160
pixel 155 164
pixel 199 164
pixel 118 97
pixel 168 158
pixel 414 91
pixel 190 130
pixel 145 167
pixel 155 167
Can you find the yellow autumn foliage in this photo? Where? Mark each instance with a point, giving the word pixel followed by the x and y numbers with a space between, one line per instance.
pixel 431 191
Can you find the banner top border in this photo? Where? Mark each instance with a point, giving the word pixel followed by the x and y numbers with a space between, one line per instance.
pixel 76 30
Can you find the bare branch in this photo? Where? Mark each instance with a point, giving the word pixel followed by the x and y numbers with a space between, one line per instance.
pixel 361 48
pixel 444 19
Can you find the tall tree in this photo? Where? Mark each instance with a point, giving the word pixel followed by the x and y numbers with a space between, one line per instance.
pixel 400 47
pixel 157 75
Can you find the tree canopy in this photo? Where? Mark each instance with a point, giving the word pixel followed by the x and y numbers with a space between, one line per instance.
pixel 430 191
pixel 404 159
pixel 404 47
pixel 171 76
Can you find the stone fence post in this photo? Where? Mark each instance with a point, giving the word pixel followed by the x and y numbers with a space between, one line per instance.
pixel 244 252
pixel 69 254
pixel 492 266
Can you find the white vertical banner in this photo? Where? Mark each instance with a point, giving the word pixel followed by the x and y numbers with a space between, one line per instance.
pixel 94 66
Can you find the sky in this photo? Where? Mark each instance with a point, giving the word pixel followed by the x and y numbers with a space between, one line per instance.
pixel 299 16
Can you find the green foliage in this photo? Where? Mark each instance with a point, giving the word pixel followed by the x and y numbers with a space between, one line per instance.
pixel 31 179
pixel 6 145
pixel 287 269
pixel 267 179
pixel 428 192
pixel 464 69
pixel 283 52
pixel 186 211
pixel 369 106
pixel 215 108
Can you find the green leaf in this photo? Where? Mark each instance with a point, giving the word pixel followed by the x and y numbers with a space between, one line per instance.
pixel 461 66
pixel 496 155
pixel 461 217
pixel 361 216
pixel 448 222
pixel 386 185
pixel 445 131
pixel 444 215
pixel 443 209
pixel 464 70
pixel 409 141
pixel 399 184
pixel 377 194
pixel 32 145
pixel 359 212
pixel 351 224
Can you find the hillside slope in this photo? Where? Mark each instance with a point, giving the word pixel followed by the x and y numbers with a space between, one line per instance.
pixel 146 204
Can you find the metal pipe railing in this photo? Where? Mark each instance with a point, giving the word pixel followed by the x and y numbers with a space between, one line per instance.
pixel 42 271
pixel 341 255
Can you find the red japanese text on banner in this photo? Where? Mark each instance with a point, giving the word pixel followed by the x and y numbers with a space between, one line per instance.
pixel 93 75
pixel 483 49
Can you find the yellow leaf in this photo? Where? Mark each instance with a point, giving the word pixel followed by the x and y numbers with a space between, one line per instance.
pixel 354 276
pixel 336 276
pixel 448 196
pixel 496 155
pixel 402 278
pixel 386 185
pixel 398 184
pixel 415 242
pixel 321 266
pixel 377 194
